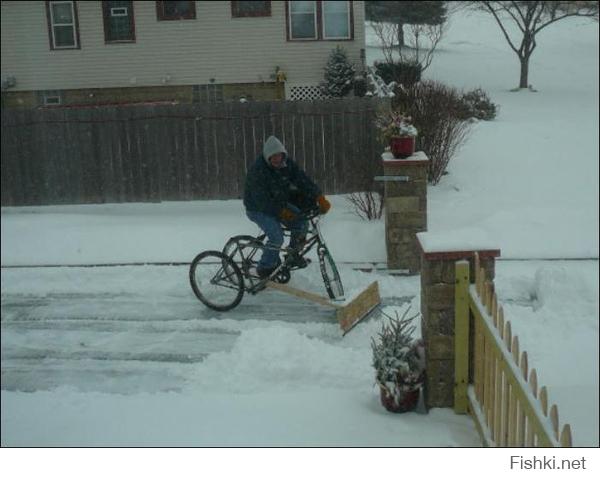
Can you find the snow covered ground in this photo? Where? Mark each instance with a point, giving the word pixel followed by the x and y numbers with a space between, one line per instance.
pixel 127 355
pixel 134 339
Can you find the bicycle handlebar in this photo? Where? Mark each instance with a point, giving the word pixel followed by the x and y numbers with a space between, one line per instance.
pixel 310 213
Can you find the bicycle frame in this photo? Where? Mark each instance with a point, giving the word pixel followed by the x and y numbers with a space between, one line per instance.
pixel 247 248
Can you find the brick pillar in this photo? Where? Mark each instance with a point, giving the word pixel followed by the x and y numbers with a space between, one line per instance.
pixel 437 313
pixel 405 209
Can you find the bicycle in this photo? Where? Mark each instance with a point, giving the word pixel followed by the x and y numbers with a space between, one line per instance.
pixel 219 279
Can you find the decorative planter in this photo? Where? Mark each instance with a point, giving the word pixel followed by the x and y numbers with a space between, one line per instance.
pixel 402 147
pixel 408 401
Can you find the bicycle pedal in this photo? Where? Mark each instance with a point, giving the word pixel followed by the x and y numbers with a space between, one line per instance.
pixel 283 276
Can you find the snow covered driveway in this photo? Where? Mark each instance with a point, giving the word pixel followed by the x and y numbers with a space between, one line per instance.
pixel 127 356
pixel 131 329
pixel 123 329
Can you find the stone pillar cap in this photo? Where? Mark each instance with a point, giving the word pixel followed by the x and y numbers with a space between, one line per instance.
pixel 457 244
pixel 418 157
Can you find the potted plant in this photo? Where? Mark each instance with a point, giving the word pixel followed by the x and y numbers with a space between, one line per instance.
pixel 399 362
pixel 397 130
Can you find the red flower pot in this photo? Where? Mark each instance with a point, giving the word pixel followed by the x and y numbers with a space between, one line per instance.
pixel 402 147
pixel 407 401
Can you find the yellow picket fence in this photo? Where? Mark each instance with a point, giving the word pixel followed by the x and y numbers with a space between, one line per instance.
pixel 492 377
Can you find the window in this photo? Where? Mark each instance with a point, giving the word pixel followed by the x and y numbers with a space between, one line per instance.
pixel 303 20
pixel 118 21
pixel 211 93
pixel 51 97
pixel 62 25
pixel 251 9
pixel 336 20
pixel 320 20
pixel 175 10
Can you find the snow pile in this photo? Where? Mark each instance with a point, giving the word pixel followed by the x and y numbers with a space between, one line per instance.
pixel 554 283
pixel 281 359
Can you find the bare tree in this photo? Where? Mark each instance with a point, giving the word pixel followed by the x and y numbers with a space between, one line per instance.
pixel 424 40
pixel 406 12
pixel 530 18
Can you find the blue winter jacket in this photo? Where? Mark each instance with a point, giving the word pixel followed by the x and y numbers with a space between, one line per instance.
pixel 269 190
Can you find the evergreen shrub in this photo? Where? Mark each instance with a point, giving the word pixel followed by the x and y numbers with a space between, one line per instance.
pixel 339 75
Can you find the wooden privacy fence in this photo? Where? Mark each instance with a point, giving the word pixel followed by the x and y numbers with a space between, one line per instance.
pixel 179 151
pixel 494 381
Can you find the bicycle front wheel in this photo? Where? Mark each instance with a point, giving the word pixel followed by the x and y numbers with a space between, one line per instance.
pixel 331 276
pixel 216 280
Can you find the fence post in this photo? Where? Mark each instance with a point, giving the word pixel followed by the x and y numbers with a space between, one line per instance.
pixel 438 289
pixel 461 336
pixel 405 209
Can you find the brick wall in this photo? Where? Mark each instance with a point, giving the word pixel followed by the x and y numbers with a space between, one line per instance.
pixel 405 209
pixel 438 280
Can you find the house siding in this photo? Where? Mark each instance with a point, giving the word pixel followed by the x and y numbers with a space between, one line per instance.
pixel 214 46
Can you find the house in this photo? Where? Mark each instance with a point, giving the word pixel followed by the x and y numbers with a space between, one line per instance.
pixel 104 52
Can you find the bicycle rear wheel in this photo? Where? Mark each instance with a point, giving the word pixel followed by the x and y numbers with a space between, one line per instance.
pixel 331 276
pixel 216 280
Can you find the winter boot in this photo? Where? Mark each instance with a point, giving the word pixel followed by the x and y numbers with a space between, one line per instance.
pixel 296 261
pixel 264 272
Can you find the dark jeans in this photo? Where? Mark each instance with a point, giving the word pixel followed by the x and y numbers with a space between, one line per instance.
pixel 272 227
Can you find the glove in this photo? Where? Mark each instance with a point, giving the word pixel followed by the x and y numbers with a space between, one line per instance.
pixel 286 215
pixel 324 204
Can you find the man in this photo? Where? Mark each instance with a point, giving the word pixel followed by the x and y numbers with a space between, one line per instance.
pixel 274 187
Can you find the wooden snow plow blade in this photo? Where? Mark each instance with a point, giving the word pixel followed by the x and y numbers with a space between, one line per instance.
pixel 347 315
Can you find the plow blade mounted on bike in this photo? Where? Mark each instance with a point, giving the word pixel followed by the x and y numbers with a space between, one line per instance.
pixel 220 278
pixel 347 315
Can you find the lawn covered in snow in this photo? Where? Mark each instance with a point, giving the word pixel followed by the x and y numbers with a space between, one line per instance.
pixel 527 182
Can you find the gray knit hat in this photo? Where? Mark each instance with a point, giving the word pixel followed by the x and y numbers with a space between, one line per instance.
pixel 273 146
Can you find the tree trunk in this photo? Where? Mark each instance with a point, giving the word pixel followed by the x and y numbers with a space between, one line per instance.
pixel 400 35
pixel 526 49
pixel 524 79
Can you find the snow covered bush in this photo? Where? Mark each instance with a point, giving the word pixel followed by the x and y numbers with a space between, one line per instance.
pixel 339 75
pixel 398 359
pixel 435 111
pixel 377 87
pixel 477 104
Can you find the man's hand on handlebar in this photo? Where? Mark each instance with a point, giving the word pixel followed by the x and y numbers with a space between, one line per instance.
pixel 324 204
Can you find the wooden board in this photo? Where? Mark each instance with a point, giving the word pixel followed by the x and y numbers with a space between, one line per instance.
pixel 302 294
pixel 351 314
pixel 347 315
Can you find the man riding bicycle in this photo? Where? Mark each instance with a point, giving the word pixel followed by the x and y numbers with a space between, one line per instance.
pixel 275 192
